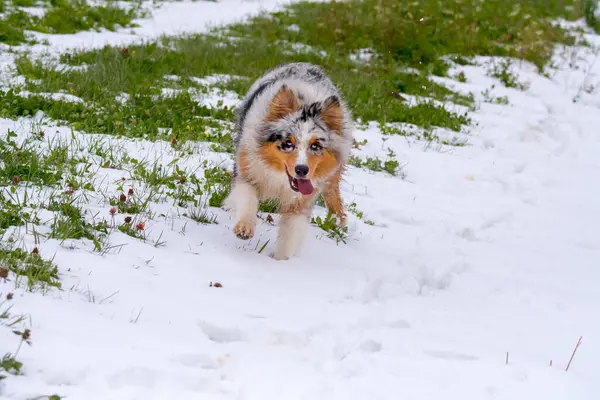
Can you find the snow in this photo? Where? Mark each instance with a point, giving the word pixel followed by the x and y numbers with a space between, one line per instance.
pixel 482 250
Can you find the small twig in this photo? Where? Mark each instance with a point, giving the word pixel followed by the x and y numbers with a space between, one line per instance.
pixel 574 351
pixel 507 358
pixel 134 321
pixel 550 362
pixel 108 297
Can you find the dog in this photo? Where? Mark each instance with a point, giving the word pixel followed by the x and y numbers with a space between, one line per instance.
pixel 292 143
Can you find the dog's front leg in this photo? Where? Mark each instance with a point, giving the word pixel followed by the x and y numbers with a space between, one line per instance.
pixel 292 230
pixel 243 199
pixel 333 199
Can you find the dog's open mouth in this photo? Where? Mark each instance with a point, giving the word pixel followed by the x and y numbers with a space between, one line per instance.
pixel 303 186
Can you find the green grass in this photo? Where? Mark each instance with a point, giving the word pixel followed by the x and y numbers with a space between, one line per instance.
pixel 501 70
pixel 39 273
pixel 61 17
pixel 25 163
pixel 70 223
pixel 142 117
pixel 203 216
pixel 331 226
pixel 420 33
pixel 591 12
pixel 391 165
pixel 426 36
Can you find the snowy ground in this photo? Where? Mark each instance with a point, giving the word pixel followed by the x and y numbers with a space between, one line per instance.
pixel 481 250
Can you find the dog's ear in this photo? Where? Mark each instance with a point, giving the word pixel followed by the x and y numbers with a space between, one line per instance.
pixel 283 103
pixel 332 114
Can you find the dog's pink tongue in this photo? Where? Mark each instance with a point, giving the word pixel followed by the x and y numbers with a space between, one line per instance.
pixel 304 186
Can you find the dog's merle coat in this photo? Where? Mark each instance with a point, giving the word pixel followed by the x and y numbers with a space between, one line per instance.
pixel 292 142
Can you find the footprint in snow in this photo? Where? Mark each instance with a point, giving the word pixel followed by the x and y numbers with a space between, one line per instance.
pixel 450 355
pixel 220 335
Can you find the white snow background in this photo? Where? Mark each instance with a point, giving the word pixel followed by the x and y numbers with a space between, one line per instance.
pixel 485 249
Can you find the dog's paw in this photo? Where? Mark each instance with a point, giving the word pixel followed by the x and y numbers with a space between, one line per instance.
pixel 244 230
pixel 279 257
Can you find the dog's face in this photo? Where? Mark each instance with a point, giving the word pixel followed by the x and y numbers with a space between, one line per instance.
pixel 302 141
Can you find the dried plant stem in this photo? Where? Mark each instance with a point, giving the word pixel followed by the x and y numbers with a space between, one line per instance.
pixel 574 351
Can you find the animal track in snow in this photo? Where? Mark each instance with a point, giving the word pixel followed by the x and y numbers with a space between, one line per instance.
pixel 220 335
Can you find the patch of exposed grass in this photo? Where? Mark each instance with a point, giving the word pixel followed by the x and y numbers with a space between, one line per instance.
pixel 332 227
pixel 175 118
pixel 502 71
pixel 61 17
pixel 9 364
pixel 38 272
pixel 13 212
pixel 420 34
pixel 353 208
pixel 24 162
pixel 69 223
pixel 407 41
pixel 375 164
pixel 10 31
pixel 591 12
pixel 24 3
pixel 135 230
pixel 218 184
pixel 71 16
pixel 203 216
pixel 270 206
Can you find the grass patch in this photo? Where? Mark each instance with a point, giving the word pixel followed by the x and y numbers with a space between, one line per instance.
pixel 12 212
pixel 502 71
pixel 9 364
pixel 218 184
pixel 353 208
pixel 39 273
pixel 203 216
pixel 69 223
pixel 591 12
pixel 375 164
pixel 331 226
pixel 270 206
pixel 420 34
pixel 24 162
pixel 407 41
pixel 175 118
pixel 61 17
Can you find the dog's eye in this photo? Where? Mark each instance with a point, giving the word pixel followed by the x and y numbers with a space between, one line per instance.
pixel 287 146
pixel 316 147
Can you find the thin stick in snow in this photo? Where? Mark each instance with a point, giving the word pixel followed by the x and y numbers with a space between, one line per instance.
pixel 574 351
pixel 507 358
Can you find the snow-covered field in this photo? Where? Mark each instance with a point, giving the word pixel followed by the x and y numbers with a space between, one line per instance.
pixel 478 277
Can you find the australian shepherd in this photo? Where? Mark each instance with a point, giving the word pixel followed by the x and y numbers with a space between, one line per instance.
pixel 294 136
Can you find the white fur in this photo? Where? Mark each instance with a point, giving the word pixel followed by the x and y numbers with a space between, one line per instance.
pixel 243 200
pixel 292 230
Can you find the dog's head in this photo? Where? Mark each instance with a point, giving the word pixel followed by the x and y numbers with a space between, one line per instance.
pixel 304 141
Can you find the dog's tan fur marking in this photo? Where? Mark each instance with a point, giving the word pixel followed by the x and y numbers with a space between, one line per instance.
pixel 243 162
pixel 321 166
pixel 332 197
pixel 277 159
pixel 284 103
pixel 333 116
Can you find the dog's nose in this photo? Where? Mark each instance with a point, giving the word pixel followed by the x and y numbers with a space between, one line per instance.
pixel 301 171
